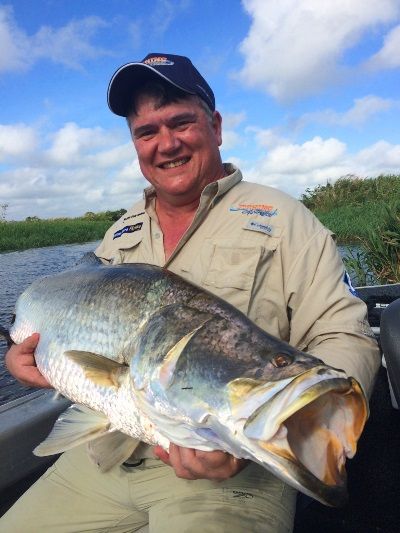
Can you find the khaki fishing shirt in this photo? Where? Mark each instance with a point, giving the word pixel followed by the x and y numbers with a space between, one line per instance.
pixel 266 254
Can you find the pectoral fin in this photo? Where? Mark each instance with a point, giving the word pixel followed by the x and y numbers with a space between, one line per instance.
pixel 97 368
pixel 111 449
pixel 76 425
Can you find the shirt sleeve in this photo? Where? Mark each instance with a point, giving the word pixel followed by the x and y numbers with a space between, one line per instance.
pixel 327 320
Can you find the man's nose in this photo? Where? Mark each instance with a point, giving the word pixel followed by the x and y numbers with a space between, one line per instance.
pixel 168 140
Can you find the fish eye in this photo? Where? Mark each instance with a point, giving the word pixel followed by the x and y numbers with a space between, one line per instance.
pixel 281 359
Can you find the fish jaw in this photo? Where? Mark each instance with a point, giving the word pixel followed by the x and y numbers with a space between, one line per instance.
pixel 305 432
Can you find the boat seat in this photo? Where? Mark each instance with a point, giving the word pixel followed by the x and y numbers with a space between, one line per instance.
pixel 390 342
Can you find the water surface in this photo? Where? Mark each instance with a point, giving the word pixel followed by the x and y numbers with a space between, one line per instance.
pixel 17 271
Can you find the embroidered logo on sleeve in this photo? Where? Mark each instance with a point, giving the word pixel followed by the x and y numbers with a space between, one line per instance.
pixel 347 281
pixel 255 209
pixel 128 229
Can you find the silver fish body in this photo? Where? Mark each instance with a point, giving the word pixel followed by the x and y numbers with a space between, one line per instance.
pixel 160 360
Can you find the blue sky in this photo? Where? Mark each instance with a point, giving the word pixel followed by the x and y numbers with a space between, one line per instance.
pixel 308 91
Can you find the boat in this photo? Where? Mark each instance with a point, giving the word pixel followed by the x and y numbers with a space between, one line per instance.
pixel 374 504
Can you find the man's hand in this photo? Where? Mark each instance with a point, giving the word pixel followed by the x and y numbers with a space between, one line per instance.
pixel 195 464
pixel 20 362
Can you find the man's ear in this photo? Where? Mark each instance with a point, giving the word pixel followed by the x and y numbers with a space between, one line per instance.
pixel 217 126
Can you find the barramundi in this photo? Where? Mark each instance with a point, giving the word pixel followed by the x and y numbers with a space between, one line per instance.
pixel 146 356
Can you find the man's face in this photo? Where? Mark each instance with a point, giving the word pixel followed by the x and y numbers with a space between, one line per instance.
pixel 177 147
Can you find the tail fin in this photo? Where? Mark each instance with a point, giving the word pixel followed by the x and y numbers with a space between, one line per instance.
pixel 6 334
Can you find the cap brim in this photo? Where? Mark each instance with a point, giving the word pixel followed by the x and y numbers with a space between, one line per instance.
pixel 124 82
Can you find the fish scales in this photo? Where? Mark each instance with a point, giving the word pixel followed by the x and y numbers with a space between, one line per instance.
pixel 160 360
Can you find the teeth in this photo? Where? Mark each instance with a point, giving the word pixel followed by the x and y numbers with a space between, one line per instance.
pixel 174 164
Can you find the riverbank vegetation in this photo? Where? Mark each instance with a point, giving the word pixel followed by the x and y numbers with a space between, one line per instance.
pixel 364 212
pixel 34 232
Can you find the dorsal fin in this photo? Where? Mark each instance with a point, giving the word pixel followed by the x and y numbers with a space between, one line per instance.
pixel 88 259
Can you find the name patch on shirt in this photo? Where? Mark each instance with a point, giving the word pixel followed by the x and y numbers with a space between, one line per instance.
pixel 253 225
pixel 128 229
pixel 134 216
pixel 255 209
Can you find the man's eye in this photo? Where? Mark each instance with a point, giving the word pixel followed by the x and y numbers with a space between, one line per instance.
pixel 182 125
pixel 145 135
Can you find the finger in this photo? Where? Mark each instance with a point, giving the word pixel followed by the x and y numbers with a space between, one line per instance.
pixel 182 461
pixel 214 459
pixel 162 454
pixel 195 464
pixel 20 362
pixel 28 346
pixel 219 465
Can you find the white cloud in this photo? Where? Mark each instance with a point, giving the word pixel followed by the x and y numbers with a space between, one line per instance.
pixel 301 158
pixel 71 142
pixel 112 158
pixel 69 172
pixel 232 120
pixel 388 56
pixel 294 167
pixel 363 110
pixel 230 137
pixel 269 138
pixel 135 34
pixel 379 158
pixel 16 141
pixel 13 43
pixel 294 47
pixel 75 170
pixel 165 12
pixel 69 45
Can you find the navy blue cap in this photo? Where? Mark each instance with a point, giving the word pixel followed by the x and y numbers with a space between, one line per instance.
pixel 177 70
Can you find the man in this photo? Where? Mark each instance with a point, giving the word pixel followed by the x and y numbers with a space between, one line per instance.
pixel 251 245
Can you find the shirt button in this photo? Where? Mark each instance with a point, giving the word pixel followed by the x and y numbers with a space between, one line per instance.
pixel 156 235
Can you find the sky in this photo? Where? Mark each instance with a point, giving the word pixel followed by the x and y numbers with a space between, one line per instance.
pixel 308 91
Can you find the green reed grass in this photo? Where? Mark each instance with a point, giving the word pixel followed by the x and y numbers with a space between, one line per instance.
pixel 37 233
pixel 350 222
pixel 365 212
pixel 379 256
pixel 352 190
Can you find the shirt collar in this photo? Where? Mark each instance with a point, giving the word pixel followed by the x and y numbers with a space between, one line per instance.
pixel 210 192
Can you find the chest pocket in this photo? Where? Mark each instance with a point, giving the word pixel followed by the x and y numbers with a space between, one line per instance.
pixel 231 273
pixel 130 248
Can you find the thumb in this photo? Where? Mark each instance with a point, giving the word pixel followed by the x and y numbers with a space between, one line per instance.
pixel 30 343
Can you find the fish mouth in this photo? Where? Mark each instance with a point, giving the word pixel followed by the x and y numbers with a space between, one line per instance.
pixel 309 429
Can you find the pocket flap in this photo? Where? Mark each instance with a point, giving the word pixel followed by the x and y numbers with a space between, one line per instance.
pixel 233 267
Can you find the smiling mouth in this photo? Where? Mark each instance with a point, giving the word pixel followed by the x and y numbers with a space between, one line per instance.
pixel 176 163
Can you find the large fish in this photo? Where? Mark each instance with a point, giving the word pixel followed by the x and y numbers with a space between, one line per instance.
pixel 147 356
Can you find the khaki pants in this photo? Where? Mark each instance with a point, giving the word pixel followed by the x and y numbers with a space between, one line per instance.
pixel 73 496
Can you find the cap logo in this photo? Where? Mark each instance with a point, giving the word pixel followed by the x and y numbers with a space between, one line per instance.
pixel 158 61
